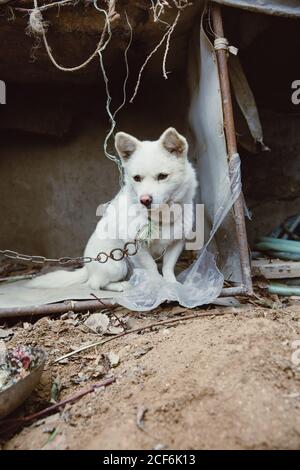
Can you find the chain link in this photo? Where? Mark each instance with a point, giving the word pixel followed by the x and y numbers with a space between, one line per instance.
pixel 117 254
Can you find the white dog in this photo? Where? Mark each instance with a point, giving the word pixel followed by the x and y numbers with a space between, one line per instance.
pixel 158 176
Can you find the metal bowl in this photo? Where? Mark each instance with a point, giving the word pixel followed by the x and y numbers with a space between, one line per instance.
pixel 13 396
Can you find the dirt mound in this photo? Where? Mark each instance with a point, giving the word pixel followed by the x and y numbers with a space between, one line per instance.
pixel 216 382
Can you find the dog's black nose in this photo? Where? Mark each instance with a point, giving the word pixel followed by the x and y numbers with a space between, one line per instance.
pixel 146 200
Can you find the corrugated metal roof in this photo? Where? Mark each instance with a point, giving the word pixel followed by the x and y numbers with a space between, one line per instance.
pixel 272 7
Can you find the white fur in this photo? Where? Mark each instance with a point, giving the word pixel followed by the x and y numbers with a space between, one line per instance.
pixel 167 155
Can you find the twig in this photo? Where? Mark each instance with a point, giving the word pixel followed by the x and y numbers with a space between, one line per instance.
pixel 60 404
pixel 142 328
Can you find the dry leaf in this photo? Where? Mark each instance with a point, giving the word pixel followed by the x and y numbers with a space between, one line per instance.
pixel 113 358
pixel 97 322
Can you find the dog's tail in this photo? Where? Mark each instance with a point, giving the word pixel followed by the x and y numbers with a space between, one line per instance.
pixel 59 279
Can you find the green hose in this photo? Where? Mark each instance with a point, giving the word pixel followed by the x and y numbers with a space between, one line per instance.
pixel 277 244
pixel 282 289
pixel 282 249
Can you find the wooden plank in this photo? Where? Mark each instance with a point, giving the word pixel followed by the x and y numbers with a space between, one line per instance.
pixel 275 268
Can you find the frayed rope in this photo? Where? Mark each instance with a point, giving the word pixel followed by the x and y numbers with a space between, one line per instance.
pixel 36 23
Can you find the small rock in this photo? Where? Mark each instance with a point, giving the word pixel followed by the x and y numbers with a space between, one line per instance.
pixel 97 322
pixel 98 372
pixel 165 332
pixel 159 446
pixel 81 377
pixel 5 334
pixel 71 321
pixel 115 330
pixel 69 315
pixel 113 358
pixel 141 352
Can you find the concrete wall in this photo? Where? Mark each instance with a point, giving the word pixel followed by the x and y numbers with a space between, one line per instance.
pixel 50 187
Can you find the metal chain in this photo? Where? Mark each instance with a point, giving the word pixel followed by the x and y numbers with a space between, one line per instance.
pixel 117 254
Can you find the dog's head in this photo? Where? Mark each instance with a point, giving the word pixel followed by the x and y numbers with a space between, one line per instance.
pixel 154 170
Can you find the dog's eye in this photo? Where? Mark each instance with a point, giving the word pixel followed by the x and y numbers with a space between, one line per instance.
pixel 137 178
pixel 162 176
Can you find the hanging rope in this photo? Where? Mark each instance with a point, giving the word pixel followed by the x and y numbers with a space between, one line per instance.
pixel 39 28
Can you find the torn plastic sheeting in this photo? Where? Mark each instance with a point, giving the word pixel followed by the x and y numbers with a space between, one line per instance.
pixel 202 282
pixel 208 148
pixel 271 7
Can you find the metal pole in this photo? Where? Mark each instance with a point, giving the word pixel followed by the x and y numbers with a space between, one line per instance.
pixel 231 146
pixel 55 309
pixel 237 290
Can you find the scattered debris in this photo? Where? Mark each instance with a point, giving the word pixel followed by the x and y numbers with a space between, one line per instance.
pixel 12 423
pixel 292 395
pixel 79 378
pixel 142 351
pixel 69 316
pixel 227 302
pixel 113 358
pixel 98 371
pixel 143 328
pixel 140 416
pixel 98 322
pixel 159 446
pixel 5 334
pixel 115 330
pixel 56 441
pixel 55 390
pixel 27 326
pixel 49 424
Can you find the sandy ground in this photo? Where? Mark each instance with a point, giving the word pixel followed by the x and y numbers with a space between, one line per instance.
pixel 214 382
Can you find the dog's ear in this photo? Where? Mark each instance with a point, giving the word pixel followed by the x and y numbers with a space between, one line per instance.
pixel 125 145
pixel 174 142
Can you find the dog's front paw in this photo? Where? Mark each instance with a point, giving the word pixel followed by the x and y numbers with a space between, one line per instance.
pixel 117 286
pixel 94 283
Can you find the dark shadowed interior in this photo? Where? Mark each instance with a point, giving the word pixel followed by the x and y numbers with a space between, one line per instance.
pixel 53 170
